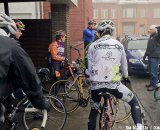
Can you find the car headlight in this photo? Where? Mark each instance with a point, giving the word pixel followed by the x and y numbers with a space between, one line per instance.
pixel 134 61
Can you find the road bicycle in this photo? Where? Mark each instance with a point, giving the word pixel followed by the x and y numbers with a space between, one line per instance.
pixel 68 71
pixel 46 77
pixel 73 94
pixel 108 112
pixel 21 115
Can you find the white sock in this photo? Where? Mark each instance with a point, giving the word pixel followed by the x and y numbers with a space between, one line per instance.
pixel 139 126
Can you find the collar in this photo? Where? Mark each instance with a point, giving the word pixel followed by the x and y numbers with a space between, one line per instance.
pixel 107 36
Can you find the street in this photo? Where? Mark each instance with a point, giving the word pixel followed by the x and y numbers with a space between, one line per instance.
pixel 150 109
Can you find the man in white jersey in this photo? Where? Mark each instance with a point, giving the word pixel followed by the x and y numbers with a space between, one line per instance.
pixel 106 59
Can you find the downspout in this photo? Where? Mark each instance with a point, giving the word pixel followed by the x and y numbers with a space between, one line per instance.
pixel 6 8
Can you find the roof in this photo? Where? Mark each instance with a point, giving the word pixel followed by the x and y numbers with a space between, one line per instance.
pixel 1 1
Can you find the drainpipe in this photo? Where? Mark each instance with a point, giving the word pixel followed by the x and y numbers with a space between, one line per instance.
pixel 6 8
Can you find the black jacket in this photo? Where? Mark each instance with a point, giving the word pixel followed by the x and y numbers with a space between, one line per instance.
pixel 17 69
pixel 153 47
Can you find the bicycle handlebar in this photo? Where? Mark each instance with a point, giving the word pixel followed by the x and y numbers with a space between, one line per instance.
pixel 44 119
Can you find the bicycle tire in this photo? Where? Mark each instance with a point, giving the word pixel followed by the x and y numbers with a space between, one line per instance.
pixel 103 125
pixel 124 114
pixel 67 93
pixel 156 94
pixel 55 119
pixel 46 83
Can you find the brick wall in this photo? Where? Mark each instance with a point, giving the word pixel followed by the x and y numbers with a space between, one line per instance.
pixel 46 10
pixel 71 19
pixel 60 21
pixel 137 21
pixel 78 21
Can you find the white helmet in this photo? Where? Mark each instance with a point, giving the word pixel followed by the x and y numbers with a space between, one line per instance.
pixel 106 25
pixel 8 23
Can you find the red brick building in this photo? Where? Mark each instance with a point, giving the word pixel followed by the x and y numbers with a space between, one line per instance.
pixel 77 21
pixel 130 16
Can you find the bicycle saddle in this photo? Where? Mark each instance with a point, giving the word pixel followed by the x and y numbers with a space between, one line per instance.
pixel 2 111
pixel 104 94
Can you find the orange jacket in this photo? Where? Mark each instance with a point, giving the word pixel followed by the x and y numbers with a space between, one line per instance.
pixel 57 51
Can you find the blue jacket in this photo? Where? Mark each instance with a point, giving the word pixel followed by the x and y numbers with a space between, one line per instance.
pixel 88 35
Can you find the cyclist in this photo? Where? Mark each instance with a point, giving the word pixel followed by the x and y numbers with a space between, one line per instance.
pixel 20 27
pixel 89 33
pixel 106 56
pixel 56 50
pixel 16 68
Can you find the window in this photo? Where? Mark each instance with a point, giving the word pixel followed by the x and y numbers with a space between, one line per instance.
pixel 113 13
pixel 142 12
pixel 142 29
pixel 138 44
pixel 128 29
pixel 95 14
pixel 104 13
pixel 156 13
pixel 129 12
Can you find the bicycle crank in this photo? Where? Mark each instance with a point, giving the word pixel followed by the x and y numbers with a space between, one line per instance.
pixel 83 102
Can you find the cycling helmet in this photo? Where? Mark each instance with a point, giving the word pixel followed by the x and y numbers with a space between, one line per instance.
pixel 19 24
pixel 60 33
pixel 7 23
pixel 92 21
pixel 106 25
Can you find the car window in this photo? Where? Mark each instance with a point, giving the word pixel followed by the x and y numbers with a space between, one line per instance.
pixel 137 44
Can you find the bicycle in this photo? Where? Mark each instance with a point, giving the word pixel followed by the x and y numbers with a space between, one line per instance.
pixel 21 115
pixel 109 110
pixel 69 70
pixel 46 77
pixel 73 95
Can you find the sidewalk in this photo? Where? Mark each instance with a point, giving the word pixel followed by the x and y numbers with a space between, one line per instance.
pixel 78 120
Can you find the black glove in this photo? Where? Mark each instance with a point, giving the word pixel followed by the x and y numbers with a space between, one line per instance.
pixel 41 103
pixel 65 63
pixel 66 60
pixel 125 80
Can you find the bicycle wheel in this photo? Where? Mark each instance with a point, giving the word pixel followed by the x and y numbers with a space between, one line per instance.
pixel 67 93
pixel 46 81
pixel 156 94
pixel 55 119
pixel 125 113
pixel 104 119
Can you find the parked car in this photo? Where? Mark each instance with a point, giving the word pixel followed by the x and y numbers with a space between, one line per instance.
pixel 135 48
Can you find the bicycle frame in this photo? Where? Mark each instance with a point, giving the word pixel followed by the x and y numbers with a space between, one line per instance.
pixel 18 108
pixel 78 81
pixel 106 115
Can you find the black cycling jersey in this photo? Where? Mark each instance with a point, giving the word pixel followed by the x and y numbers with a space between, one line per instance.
pixel 18 71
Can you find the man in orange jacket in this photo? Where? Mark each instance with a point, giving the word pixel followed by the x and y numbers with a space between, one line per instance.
pixel 56 50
